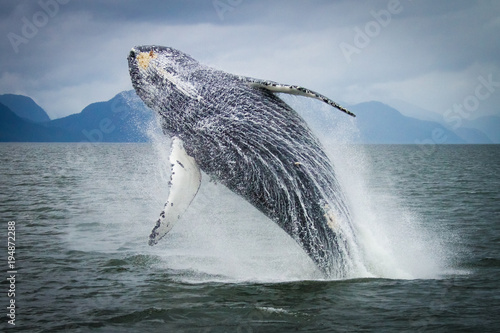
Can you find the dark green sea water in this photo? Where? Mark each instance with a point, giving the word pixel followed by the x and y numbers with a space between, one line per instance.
pixel 428 221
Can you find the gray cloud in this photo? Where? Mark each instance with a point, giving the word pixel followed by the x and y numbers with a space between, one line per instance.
pixel 429 53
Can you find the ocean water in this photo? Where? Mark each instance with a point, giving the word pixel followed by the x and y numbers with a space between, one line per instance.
pixel 427 220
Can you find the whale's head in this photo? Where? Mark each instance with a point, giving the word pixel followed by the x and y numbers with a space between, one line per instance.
pixel 159 72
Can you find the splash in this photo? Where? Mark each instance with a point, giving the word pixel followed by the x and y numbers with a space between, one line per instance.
pixel 393 241
pixel 224 238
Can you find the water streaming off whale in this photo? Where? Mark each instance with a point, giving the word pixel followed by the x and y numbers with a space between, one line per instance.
pixel 84 214
pixel 224 238
pixel 243 136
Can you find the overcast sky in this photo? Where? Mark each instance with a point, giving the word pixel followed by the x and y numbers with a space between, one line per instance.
pixel 66 54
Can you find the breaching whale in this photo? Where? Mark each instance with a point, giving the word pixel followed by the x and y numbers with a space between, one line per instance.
pixel 236 130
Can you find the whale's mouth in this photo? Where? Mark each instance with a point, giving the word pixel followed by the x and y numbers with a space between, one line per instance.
pixel 134 68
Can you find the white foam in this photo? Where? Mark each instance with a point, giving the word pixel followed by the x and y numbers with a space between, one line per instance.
pixel 393 241
pixel 222 237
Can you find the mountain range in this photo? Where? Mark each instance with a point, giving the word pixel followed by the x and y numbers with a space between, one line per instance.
pixel 124 118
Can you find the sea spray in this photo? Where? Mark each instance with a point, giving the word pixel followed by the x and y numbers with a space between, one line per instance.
pixel 224 237
pixel 392 240
pixel 246 138
pixel 221 237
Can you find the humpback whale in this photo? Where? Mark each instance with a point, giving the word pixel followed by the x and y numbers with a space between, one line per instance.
pixel 238 131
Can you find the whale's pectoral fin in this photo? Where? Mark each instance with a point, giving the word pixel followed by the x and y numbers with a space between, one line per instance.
pixel 184 184
pixel 293 90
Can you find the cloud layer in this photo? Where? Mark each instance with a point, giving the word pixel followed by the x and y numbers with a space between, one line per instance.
pixel 428 53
